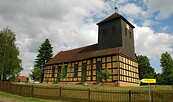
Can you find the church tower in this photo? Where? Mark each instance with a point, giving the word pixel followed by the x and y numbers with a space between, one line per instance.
pixel 116 31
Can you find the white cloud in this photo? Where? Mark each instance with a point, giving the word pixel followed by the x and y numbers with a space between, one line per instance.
pixel 71 23
pixel 165 28
pixel 152 44
pixel 67 23
pixel 163 7
pixel 132 10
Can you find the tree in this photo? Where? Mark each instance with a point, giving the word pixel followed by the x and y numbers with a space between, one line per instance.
pixel 145 70
pixel 45 53
pixel 64 72
pixel 103 75
pixel 36 73
pixel 10 64
pixel 159 78
pixel 167 68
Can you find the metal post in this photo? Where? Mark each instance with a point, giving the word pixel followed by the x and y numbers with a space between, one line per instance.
pixel 149 96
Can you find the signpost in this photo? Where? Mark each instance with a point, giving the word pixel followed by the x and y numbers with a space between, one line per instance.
pixel 149 81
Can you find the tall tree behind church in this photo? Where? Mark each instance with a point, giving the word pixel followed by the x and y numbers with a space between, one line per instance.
pixel 10 64
pixel 45 53
pixel 167 68
pixel 145 69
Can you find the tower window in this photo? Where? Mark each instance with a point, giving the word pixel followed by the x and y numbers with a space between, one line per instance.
pixel 130 34
pixel 126 31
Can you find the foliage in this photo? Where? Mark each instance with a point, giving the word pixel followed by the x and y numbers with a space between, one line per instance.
pixel 167 68
pixel 103 74
pixel 36 73
pixel 45 53
pixel 47 80
pixel 145 70
pixel 27 79
pixel 64 72
pixel 18 80
pixel 159 78
pixel 10 64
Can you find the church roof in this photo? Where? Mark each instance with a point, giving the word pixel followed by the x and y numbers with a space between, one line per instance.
pixel 115 16
pixel 82 53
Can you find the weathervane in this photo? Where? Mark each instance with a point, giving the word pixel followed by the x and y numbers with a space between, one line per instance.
pixel 116 7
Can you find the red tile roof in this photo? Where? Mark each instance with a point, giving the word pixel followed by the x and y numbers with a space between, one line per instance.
pixel 22 78
pixel 82 53
pixel 115 16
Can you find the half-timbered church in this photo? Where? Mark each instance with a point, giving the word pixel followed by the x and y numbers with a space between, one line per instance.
pixel 114 53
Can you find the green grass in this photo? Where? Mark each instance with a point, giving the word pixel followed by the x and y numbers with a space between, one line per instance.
pixel 15 98
pixel 143 87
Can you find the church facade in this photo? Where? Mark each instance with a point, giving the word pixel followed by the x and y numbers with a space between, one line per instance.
pixel 114 53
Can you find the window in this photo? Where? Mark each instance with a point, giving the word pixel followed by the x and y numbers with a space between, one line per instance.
pixel 53 72
pixel 76 70
pixel 126 31
pixel 130 34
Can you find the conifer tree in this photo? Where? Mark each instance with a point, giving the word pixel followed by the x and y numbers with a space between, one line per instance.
pixel 167 68
pixel 45 53
pixel 10 64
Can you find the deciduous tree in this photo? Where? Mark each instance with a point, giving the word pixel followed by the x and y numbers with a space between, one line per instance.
pixel 167 68
pixel 36 73
pixel 145 70
pixel 10 64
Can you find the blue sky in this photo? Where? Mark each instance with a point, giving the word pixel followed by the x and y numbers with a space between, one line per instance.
pixel 70 24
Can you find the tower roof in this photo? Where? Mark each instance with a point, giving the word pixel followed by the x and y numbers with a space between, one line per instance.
pixel 115 16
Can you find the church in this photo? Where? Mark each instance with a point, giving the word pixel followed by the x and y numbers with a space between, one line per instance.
pixel 114 54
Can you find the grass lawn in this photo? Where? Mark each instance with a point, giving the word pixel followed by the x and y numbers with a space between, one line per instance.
pixel 15 98
pixel 143 87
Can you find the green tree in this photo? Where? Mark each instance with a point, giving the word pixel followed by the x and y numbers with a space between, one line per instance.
pixel 159 78
pixel 145 70
pixel 10 64
pixel 103 74
pixel 167 68
pixel 64 72
pixel 36 73
pixel 45 53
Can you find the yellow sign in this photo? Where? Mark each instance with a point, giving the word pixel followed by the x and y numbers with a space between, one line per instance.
pixel 148 80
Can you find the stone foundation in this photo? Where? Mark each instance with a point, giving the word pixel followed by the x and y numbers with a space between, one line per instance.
pixel 121 84
pixel 115 84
